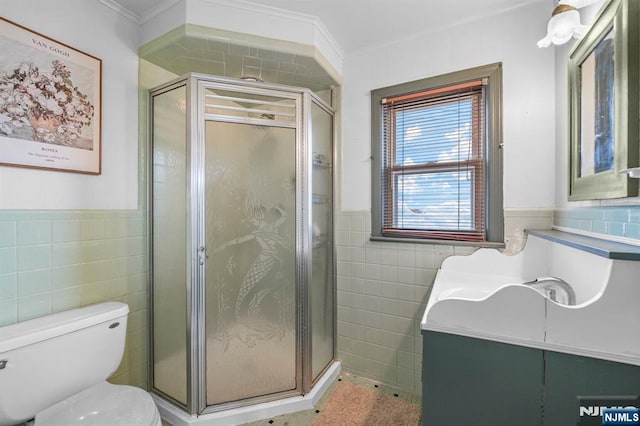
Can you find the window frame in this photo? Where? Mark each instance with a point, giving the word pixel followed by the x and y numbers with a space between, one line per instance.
pixel 493 192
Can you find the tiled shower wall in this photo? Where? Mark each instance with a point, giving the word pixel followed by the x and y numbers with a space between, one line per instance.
pixel 383 290
pixel 52 261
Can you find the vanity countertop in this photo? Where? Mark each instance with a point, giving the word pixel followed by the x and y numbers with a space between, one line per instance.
pixel 598 246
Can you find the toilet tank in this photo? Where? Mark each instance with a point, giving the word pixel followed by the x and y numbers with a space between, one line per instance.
pixel 46 360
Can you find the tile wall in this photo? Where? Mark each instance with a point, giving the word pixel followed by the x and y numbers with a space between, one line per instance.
pixel 621 221
pixel 52 261
pixel 517 220
pixel 383 290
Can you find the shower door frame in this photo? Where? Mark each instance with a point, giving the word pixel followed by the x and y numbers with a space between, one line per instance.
pixel 189 279
pixel 201 84
pixel 196 85
pixel 307 356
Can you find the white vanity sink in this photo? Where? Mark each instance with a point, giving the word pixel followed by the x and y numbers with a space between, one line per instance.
pixel 486 295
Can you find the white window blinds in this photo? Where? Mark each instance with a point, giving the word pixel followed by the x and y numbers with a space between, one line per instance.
pixel 433 163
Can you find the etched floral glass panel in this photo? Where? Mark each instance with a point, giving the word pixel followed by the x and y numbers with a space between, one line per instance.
pixel 251 270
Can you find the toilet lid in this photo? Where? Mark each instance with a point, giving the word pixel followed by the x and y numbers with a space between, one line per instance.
pixel 103 405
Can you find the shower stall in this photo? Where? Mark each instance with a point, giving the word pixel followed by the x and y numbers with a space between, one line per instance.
pixel 241 243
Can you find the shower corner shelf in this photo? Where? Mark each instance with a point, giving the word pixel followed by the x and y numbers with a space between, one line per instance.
pixel 322 166
pixel 319 199
pixel 319 241
pixel 321 161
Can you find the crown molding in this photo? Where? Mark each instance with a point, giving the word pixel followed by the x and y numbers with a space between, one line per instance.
pixel 157 9
pixel 114 5
pixel 447 26
pixel 134 17
pixel 286 14
pixel 319 27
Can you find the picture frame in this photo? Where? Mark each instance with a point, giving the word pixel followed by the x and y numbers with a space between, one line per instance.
pixel 50 103
pixel 604 104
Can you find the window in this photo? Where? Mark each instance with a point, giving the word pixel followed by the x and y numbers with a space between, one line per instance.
pixel 437 158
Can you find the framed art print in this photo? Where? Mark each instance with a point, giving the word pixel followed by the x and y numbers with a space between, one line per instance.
pixel 50 103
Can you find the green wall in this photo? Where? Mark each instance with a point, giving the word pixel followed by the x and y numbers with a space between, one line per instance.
pixel 51 261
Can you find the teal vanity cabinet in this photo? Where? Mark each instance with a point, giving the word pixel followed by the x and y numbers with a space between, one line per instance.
pixel 544 337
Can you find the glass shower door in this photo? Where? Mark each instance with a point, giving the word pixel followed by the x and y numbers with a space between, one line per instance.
pixel 250 231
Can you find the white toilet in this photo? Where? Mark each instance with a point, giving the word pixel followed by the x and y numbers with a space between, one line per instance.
pixel 54 369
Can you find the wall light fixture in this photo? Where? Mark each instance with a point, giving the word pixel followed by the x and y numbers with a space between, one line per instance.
pixel 565 23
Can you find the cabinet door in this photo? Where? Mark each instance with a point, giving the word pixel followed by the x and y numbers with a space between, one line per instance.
pixel 572 380
pixel 470 381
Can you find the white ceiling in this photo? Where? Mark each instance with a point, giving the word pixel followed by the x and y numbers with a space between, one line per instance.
pixel 359 24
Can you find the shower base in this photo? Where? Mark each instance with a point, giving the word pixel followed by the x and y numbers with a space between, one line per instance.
pixel 252 413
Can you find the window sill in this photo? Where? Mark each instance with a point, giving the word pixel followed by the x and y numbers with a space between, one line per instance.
pixel 479 244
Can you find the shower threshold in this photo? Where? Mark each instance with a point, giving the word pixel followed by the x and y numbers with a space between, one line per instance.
pixel 251 413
